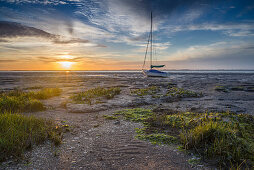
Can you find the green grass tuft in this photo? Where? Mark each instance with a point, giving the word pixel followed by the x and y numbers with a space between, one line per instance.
pixel 19 132
pixel 21 101
pixel 157 138
pixel 92 96
pixel 110 117
pixel 20 104
pixel 145 91
pixel 221 88
pixel 33 88
pixel 45 93
pixel 137 114
pixel 225 138
pixel 181 93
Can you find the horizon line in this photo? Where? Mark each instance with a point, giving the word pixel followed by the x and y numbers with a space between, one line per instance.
pixel 141 70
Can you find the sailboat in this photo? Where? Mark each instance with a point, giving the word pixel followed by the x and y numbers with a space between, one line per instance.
pixel 152 72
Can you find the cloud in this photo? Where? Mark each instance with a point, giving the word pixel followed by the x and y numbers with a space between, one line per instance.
pixel 3 40
pixel 132 17
pixel 12 30
pixel 214 51
pixel 44 2
pixel 7 61
pixel 59 59
pixel 231 29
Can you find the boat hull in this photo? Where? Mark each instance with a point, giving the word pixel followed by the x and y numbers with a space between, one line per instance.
pixel 155 73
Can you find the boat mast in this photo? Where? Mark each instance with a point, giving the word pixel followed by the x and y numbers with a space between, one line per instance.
pixel 151 52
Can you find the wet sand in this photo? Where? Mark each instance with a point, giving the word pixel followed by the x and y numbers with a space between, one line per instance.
pixel 96 143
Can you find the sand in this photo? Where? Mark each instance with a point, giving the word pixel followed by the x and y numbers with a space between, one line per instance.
pixel 97 143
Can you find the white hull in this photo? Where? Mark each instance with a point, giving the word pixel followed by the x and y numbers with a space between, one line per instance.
pixel 150 74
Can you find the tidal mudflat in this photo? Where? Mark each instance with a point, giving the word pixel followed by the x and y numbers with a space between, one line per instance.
pixel 102 136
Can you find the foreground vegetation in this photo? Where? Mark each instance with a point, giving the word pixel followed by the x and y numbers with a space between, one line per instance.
pixel 227 89
pixel 26 101
pixel 95 95
pixel 173 92
pixel 19 132
pixel 146 91
pixel 226 139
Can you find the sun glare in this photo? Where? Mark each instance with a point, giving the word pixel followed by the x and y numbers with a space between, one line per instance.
pixel 66 56
pixel 66 64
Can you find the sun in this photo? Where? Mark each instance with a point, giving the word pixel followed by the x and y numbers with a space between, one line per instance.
pixel 66 64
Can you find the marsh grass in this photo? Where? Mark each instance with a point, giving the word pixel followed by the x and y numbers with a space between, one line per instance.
pixel 221 88
pixel 110 117
pixel 146 91
pixel 93 95
pixel 157 138
pixel 227 89
pixel 26 101
pixel 19 132
pixel 226 139
pixel 237 88
pixel 181 93
pixel 172 91
pixel 20 104
pixel 45 93
pixel 137 114
pixel 33 88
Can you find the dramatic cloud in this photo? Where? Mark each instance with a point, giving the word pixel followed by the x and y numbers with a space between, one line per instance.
pixel 13 30
pixel 231 29
pixel 215 51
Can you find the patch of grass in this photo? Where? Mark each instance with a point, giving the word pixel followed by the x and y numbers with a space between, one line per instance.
pixel 181 93
pixel 172 92
pixel 92 96
pixel 33 88
pixel 219 141
pixel 45 93
pixel 194 161
pixel 143 115
pixel 145 91
pixel 21 101
pixel 20 104
pixel 157 138
pixel 221 88
pixel 237 88
pixel 110 117
pixel 19 132
pixel 225 138
pixel 137 114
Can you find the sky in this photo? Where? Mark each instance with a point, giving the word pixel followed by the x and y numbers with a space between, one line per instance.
pixel 112 34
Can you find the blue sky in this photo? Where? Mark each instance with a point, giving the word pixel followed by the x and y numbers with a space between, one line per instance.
pixel 112 34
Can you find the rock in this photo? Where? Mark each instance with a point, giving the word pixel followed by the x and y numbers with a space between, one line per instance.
pixel 193 109
pixel 117 122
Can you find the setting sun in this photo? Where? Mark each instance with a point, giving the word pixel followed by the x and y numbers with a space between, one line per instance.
pixel 66 64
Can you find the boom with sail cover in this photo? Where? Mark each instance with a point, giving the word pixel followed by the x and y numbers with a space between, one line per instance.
pixel 157 66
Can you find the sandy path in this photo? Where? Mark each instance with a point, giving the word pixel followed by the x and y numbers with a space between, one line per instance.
pixel 111 145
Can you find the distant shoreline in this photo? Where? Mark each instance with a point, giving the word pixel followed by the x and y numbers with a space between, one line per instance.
pixel 89 72
pixel 118 70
